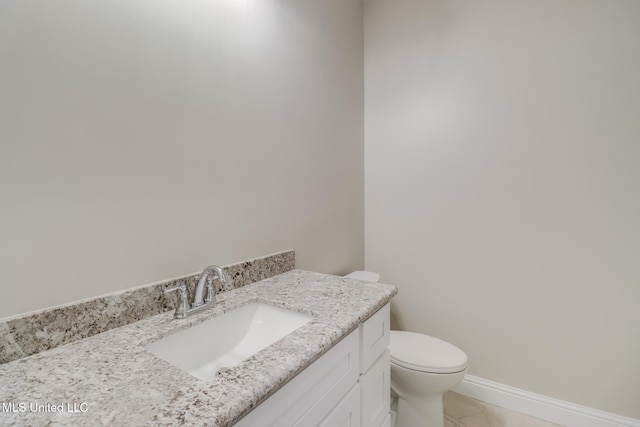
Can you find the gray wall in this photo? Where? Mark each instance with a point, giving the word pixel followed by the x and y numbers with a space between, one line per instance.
pixel 503 186
pixel 142 140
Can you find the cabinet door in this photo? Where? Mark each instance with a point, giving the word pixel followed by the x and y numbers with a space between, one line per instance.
pixel 374 338
pixel 376 397
pixel 346 413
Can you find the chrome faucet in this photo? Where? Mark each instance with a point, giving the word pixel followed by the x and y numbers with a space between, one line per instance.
pixel 205 276
pixel 201 300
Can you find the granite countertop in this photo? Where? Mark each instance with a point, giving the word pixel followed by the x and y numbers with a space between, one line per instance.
pixel 110 379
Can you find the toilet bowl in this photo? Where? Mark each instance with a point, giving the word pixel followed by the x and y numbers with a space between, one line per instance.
pixel 423 368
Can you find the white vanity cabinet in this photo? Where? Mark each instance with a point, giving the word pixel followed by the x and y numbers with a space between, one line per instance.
pixel 375 369
pixel 348 386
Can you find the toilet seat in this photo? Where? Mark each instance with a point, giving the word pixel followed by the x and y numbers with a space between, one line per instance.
pixel 423 353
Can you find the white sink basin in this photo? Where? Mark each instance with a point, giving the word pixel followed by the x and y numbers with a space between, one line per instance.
pixel 209 347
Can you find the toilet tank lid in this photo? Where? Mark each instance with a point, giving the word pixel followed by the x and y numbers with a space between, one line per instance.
pixel 424 353
pixel 367 276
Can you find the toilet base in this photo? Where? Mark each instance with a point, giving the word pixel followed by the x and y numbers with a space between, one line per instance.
pixel 420 395
pixel 428 412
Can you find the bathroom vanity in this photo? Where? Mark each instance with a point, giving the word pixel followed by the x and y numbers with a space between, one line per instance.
pixel 333 370
pixel 347 386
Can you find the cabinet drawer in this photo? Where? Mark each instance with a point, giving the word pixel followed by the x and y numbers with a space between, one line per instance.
pixel 346 413
pixel 375 392
pixel 308 397
pixel 374 338
pixel 387 421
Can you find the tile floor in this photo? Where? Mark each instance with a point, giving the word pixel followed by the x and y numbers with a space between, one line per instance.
pixel 463 411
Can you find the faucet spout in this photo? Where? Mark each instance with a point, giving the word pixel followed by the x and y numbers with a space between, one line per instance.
pixel 217 272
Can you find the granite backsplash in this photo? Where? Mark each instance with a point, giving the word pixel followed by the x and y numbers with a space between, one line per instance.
pixel 32 333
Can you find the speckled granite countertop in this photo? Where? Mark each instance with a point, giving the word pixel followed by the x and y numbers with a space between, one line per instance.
pixel 110 379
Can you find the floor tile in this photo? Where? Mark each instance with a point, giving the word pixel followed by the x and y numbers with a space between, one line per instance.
pixel 450 422
pixel 458 406
pixel 463 411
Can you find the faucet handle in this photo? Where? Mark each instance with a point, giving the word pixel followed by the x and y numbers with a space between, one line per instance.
pixel 183 305
pixel 209 294
pixel 181 288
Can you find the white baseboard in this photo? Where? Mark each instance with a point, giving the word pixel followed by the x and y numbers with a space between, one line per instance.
pixel 539 406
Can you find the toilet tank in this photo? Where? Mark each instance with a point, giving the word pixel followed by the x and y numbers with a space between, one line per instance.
pixel 367 276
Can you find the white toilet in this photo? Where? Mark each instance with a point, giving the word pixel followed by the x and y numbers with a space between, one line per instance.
pixel 422 369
